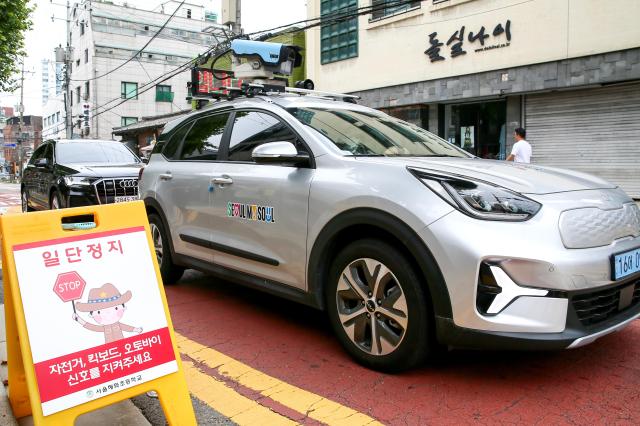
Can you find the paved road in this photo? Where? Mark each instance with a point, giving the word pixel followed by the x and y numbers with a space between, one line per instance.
pixel 9 195
pixel 292 345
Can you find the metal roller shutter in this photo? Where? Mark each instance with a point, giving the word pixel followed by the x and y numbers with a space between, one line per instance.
pixel 595 131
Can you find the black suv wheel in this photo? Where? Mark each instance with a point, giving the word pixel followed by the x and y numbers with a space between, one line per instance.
pixel 170 273
pixel 377 306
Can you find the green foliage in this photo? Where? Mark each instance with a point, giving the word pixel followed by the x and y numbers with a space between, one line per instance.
pixel 14 21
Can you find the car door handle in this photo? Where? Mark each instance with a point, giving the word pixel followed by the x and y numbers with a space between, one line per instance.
pixel 222 180
pixel 166 176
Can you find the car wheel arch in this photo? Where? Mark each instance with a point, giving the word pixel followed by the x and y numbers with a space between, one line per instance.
pixel 366 222
pixel 153 207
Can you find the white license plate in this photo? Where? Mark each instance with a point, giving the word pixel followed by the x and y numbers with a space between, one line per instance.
pixel 126 199
pixel 625 264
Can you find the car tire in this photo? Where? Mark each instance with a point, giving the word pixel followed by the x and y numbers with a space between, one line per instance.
pixel 24 196
pixel 170 272
pixel 55 202
pixel 399 312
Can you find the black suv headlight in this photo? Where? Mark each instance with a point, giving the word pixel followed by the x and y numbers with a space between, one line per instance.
pixel 76 180
pixel 478 199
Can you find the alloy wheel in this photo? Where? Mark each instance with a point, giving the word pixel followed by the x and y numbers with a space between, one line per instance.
pixel 372 306
pixel 157 242
pixel 55 203
pixel 25 202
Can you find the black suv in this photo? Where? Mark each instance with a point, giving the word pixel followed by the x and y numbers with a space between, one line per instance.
pixel 79 172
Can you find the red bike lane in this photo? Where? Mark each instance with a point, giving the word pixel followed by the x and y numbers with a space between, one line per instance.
pixel 599 383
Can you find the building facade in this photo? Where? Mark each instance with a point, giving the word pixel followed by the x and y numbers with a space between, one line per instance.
pixel 5 114
pixel 21 137
pixel 474 70
pixel 105 37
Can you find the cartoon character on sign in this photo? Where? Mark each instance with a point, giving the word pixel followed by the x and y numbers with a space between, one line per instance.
pixel 106 306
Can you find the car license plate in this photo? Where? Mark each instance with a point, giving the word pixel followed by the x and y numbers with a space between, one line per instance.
pixel 625 264
pixel 124 199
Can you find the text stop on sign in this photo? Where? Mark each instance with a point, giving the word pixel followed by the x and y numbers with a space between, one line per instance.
pixel 69 286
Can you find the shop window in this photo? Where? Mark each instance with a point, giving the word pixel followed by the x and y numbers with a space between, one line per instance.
pixel 125 121
pixel 338 40
pixel 128 90
pixel 385 8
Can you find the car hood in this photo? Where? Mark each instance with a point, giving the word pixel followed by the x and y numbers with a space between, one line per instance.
pixel 102 170
pixel 522 178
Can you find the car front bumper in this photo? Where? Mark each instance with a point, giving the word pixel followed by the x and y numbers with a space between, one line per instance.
pixel 556 291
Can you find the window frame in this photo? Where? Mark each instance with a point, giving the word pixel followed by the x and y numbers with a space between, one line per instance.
pixel 225 135
pixel 324 28
pixel 189 123
pixel 410 8
pixel 224 146
pixel 123 121
pixel 123 90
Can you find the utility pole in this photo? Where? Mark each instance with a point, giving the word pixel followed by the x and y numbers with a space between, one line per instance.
pixel 67 77
pixel 21 111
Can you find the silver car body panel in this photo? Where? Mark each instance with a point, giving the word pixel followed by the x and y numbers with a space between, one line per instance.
pixel 540 253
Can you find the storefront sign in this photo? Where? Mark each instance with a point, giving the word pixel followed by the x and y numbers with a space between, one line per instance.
pixel 477 40
pixel 91 313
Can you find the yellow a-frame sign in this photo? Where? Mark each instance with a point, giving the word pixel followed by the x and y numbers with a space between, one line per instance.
pixel 86 315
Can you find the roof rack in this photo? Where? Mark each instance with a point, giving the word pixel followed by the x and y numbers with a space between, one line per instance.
pixel 339 96
pixel 252 89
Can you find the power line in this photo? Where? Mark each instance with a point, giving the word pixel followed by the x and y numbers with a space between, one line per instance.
pixel 140 50
pixel 327 19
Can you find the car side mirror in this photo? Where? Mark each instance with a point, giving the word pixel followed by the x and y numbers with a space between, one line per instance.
pixel 279 153
pixel 41 163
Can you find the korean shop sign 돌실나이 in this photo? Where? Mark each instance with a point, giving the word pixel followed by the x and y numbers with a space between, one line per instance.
pixel 478 41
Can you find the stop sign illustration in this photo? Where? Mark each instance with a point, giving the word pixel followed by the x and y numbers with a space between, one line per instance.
pixel 69 286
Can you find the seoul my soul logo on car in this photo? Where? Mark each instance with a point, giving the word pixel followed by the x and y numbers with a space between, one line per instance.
pixel 254 212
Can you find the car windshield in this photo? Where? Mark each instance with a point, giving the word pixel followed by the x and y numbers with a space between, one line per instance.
pixel 94 153
pixel 361 133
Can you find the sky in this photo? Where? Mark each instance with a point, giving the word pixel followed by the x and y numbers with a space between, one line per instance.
pixel 47 33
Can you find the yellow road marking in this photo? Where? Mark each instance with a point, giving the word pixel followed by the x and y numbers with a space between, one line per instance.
pixel 314 406
pixel 228 402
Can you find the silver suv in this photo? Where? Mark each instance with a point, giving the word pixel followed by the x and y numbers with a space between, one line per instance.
pixel 409 243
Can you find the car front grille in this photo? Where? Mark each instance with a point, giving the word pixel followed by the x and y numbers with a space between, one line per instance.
pixel 108 189
pixel 597 306
pixel 593 227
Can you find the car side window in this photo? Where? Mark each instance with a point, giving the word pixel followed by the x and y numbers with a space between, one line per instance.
pixel 171 148
pixel 38 153
pixel 252 129
pixel 49 154
pixel 203 140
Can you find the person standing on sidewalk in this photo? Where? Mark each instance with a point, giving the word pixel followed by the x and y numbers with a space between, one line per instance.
pixel 521 152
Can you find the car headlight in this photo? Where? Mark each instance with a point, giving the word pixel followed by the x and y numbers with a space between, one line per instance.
pixel 479 199
pixel 76 180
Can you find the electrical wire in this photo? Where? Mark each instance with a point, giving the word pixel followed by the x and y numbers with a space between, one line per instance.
pixel 135 55
pixel 323 20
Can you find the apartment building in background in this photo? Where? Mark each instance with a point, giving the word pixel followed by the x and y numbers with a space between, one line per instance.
pixel 472 71
pixel 21 137
pixel 106 70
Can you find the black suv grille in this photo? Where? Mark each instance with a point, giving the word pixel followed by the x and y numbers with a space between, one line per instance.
pixel 597 306
pixel 108 189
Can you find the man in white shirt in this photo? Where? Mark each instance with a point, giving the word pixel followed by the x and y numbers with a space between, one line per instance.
pixel 521 152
